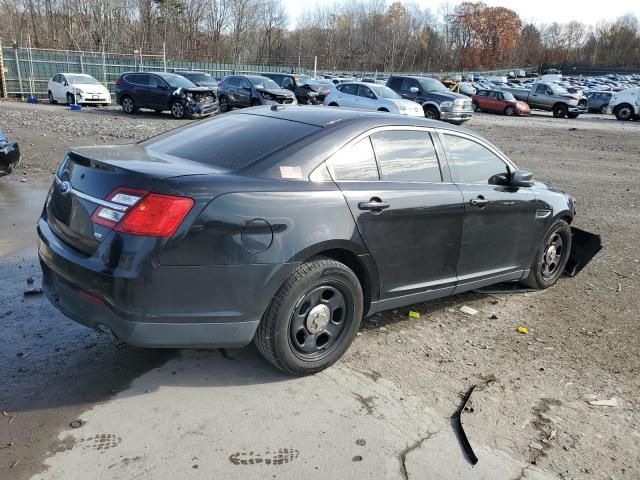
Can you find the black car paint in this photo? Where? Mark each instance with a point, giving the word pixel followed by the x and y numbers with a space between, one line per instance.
pixel 306 94
pixel 246 94
pixel 9 155
pixel 210 283
pixel 198 100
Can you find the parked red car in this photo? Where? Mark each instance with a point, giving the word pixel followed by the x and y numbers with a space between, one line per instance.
pixel 499 102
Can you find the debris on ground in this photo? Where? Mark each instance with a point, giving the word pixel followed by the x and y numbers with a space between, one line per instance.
pixel 414 314
pixel 612 402
pixel 33 291
pixel 30 280
pixel 468 310
pixel 463 436
pixel 23 354
pixel 523 330
pixel 77 423
pixel 14 463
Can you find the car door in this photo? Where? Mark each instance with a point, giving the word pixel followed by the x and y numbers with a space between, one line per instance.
pixel 406 92
pixel 493 104
pixel 367 99
pixel 349 95
pixel 499 221
pixel 157 93
pixel 408 214
pixel 243 93
pixel 536 99
pixel 54 86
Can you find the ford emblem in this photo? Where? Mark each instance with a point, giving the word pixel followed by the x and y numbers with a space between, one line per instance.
pixel 65 187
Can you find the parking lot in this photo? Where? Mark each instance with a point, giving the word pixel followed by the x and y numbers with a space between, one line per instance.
pixel 384 411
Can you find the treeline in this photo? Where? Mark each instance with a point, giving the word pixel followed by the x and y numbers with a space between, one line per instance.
pixel 365 35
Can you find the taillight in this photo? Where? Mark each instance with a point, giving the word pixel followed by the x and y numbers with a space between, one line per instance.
pixel 119 81
pixel 156 216
pixel 138 212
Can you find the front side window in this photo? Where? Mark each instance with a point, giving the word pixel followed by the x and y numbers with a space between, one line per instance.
pixel 349 89
pixel 355 162
pixel 541 89
pixel 406 156
pixel 155 82
pixel 366 92
pixel 244 83
pixel 472 162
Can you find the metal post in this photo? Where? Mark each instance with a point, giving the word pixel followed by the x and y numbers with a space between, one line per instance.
pixel 141 60
pixel 315 65
pixel 15 52
pixel 104 68
pixel 3 81
pixel 30 56
pixel 82 62
pixel 164 56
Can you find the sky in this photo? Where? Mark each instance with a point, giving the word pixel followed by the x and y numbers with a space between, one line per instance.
pixel 538 11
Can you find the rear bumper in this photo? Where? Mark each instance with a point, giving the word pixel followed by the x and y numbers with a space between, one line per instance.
pixel 160 306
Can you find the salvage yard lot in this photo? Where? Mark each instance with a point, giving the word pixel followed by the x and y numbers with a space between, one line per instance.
pixel 384 410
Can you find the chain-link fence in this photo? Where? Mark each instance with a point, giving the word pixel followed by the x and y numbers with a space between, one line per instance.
pixel 25 72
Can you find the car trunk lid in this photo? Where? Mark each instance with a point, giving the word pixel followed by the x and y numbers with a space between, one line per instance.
pixel 89 175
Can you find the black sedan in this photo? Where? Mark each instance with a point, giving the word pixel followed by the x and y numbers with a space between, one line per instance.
pixel 200 238
pixel 9 155
pixel 250 91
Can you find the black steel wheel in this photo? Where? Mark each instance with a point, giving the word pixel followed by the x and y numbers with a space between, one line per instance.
pixel 560 110
pixel 313 318
pixel 551 257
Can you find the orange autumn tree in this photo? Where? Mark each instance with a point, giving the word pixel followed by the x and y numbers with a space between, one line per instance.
pixel 483 35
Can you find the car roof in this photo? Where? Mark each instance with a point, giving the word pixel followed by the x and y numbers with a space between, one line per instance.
pixel 329 116
pixel 180 72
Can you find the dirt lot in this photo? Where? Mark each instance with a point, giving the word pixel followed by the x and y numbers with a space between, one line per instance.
pixel 532 404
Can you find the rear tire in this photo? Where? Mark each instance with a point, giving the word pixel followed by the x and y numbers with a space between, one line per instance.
pixel 312 319
pixel 551 256
pixel 475 106
pixel 603 109
pixel 383 110
pixel 128 105
pixel 333 104
pixel 431 113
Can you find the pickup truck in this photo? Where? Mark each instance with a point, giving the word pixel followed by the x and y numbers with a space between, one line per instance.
pixel 625 105
pixel 551 98
pixel 437 101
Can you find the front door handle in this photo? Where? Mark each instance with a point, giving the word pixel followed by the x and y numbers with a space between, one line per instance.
pixel 479 202
pixel 374 205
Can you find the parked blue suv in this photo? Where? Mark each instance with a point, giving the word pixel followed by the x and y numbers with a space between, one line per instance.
pixel 164 91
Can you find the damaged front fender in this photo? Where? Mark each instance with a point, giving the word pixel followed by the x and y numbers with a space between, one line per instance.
pixel 197 101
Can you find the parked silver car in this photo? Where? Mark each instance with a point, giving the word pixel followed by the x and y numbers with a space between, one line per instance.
pixel 370 96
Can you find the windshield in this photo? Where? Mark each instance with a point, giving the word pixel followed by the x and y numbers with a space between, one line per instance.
pixel 199 77
pixel 384 92
pixel 557 90
pixel 305 80
pixel 263 82
pixel 82 80
pixel 508 96
pixel 431 85
pixel 176 81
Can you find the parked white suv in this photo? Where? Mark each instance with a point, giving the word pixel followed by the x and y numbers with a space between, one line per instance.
pixel 625 105
pixel 370 96
pixel 77 88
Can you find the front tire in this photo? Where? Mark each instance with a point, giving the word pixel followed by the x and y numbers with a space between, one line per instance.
pixel 431 113
pixel 560 110
pixel 624 112
pixel 179 110
pixel 52 100
pixel 312 319
pixel 509 111
pixel 551 257
pixel 71 99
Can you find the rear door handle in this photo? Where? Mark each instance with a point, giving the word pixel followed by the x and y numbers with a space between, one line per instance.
pixel 479 202
pixel 374 205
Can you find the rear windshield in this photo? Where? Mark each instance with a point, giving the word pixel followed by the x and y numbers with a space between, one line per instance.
pixel 231 141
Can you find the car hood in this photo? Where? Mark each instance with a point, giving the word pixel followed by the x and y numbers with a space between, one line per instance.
pixel 195 89
pixel 276 91
pixel 208 85
pixel 89 86
pixel 444 96
pixel 322 89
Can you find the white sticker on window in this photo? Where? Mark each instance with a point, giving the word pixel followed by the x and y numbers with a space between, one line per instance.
pixel 290 172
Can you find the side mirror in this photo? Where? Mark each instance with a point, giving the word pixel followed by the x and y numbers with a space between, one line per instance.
pixel 414 89
pixel 521 178
pixel 66 84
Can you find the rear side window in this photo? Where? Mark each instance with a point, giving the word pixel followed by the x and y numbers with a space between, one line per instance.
pixel 406 156
pixel 472 162
pixel 349 89
pixel 230 141
pixel 396 83
pixel 137 79
pixel 356 162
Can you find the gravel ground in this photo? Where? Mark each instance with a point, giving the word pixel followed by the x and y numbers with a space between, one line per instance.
pixel 533 405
